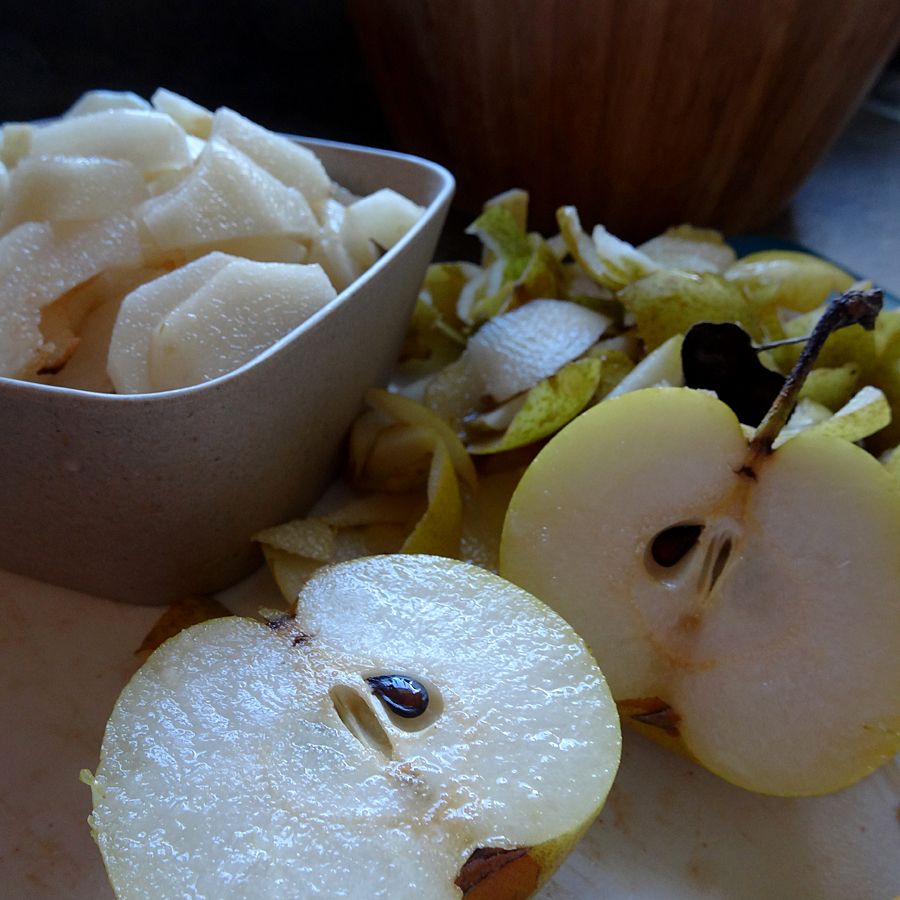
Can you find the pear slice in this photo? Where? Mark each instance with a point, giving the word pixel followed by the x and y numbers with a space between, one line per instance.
pixel 379 220
pixel 143 311
pixel 150 140
pixel 24 292
pixel 103 100
pixel 227 195
pixel 70 188
pixel 328 250
pixel 292 164
pixel 242 310
pixel 195 119
pixel 741 600
pixel 60 258
pixel 246 760
pixel 15 142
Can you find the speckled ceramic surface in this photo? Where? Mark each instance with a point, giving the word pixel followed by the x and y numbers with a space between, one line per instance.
pixel 146 497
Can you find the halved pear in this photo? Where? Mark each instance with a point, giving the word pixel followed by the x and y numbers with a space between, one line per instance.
pixel 254 760
pixel 745 604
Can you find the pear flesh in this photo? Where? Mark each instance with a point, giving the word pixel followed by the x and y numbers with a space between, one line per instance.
pixel 768 645
pixel 252 761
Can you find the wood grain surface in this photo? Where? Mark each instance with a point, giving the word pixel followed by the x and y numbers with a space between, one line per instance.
pixel 643 113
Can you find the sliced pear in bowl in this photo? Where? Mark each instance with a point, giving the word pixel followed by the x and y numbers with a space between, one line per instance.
pixel 419 728
pixel 743 601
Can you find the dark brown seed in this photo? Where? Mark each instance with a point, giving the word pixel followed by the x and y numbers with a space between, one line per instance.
pixel 651 711
pixel 403 695
pixel 666 719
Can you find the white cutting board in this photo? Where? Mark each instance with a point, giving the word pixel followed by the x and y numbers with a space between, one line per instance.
pixel 669 829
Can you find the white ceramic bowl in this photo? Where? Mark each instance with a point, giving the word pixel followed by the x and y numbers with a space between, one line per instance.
pixel 149 497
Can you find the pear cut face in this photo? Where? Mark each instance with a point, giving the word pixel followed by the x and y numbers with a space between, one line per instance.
pixel 762 607
pixel 247 760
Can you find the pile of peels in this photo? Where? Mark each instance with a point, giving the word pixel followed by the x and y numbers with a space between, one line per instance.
pixel 502 355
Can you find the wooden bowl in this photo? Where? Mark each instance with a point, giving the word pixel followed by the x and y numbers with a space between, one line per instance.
pixel 643 113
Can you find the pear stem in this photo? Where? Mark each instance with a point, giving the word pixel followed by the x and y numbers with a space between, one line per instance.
pixel 852 308
pixel 784 342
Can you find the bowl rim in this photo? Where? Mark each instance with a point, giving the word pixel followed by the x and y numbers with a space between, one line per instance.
pixel 446 185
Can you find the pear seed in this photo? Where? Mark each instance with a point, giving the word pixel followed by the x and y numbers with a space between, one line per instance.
pixel 401 694
pixel 663 716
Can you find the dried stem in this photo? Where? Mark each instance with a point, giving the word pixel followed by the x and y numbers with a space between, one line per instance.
pixel 784 342
pixel 851 308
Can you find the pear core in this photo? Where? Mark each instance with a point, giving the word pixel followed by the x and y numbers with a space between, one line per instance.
pixel 771 641
pixel 252 761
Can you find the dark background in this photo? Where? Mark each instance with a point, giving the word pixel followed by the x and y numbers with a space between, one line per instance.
pixel 291 66
pixel 295 66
